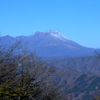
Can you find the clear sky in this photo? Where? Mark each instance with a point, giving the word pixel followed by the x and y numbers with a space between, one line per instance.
pixel 78 20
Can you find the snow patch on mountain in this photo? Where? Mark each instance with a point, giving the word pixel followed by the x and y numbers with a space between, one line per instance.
pixel 60 36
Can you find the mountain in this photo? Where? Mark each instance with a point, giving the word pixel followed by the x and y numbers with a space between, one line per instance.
pixel 74 73
pixel 77 85
pixel 82 64
pixel 50 43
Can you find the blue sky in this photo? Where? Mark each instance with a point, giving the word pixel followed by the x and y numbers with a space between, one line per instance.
pixel 78 20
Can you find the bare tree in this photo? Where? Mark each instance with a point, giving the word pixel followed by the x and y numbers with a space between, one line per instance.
pixel 23 76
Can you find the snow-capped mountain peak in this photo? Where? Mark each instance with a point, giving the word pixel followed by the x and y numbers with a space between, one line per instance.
pixel 50 33
pixel 50 43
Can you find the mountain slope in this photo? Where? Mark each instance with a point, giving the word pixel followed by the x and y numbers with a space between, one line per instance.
pixel 79 85
pixel 82 64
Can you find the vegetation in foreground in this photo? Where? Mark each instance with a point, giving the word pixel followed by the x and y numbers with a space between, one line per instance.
pixel 23 76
